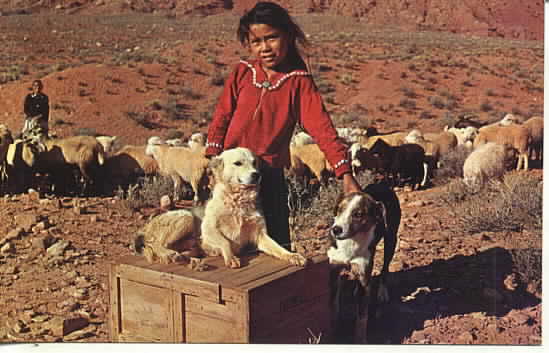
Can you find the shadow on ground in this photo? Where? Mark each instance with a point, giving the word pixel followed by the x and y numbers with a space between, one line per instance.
pixel 457 286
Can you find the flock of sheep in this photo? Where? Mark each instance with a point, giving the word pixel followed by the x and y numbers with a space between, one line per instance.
pixel 402 157
pixel 412 156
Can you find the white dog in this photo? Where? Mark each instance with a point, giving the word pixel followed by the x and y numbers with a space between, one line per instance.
pixel 233 217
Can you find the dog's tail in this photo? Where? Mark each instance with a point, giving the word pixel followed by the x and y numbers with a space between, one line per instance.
pixel 138 244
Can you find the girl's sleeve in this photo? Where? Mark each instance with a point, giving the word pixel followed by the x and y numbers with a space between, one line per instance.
pixel 222 115
pixel 317 122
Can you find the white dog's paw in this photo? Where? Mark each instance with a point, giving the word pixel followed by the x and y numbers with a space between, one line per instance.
pixel 233 262
pixel 297 259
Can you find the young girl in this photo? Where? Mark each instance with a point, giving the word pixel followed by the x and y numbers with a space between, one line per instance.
pixel 261 103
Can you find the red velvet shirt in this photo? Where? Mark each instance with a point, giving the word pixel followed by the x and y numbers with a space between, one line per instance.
pixel 263 120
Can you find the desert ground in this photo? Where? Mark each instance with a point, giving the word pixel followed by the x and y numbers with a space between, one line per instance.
pixel 134 73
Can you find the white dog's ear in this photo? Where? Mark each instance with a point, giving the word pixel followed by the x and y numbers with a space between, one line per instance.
pixel 216 163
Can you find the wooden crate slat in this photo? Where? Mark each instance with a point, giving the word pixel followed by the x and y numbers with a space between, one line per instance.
pixel 187 285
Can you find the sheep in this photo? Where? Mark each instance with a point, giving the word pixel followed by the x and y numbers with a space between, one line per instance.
pixel 488 161
pixel 309 156
pixel 432 153
pixel 361 158
pixel 175 142
pixel 393 139
pixel 517 136
pixel 302 138
pixel 63 154
pixel 20 160
pixel 180 164
pixel 508 119
pixel 127 164
pixel 400 162
pixel 535 128
pixel 6 140
pixel 351 135
pixel 107 142
pixel 197 140
pixel 446 141
pixel 465 135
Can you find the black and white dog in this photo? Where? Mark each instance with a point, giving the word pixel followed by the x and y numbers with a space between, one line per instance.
pixel 361 220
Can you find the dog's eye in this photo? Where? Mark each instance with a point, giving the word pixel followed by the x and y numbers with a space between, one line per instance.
pixel 238 164
pixel 358 214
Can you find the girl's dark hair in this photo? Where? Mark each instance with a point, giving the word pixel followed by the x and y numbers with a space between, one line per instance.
pixel 274 15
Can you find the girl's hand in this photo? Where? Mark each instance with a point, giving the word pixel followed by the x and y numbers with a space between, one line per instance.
pixel 350 184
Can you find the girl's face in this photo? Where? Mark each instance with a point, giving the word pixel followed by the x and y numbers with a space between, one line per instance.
pixel 268 44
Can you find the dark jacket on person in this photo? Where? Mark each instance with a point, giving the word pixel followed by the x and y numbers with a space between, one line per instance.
pixel 37 104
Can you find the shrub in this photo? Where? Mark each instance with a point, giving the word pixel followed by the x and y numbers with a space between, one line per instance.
pixel 85 131
pixel 512 205
pixel 310 207
pixel 148 191
pixel 173 134
pixel 436 102
pixel 451 165
pixel 407 104
pixel 486 107
pixel 527 263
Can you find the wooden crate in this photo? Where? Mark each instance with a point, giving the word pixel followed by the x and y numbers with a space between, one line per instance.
pixel 265 301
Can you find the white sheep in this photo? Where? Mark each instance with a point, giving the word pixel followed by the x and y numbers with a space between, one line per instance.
pixel 181 164
pixel 352 135
pixel 175 142
pixel 107 142
pixel 465 135
pixel 488 161
pixel 516 136
pixel 197 140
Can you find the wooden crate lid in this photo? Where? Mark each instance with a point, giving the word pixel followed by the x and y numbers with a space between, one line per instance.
pixel 256 270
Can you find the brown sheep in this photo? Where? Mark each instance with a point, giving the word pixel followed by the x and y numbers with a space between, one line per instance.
pixel 127 164
pixel 446 141
pixel 516 136
pixel 535 128
pixel 61 155
pixel 181 164
pixel 309 156
pixel 393 139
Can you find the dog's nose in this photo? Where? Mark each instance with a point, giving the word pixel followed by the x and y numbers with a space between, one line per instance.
pixel 336 230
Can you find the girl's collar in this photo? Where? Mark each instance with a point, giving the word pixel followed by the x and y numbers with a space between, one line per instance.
pixel 266 84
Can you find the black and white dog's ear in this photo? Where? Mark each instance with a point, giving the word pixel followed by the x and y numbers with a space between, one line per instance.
pixel 338 201
pixel 381 214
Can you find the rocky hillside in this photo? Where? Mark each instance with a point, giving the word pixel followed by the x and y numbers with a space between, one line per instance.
pixel 497 18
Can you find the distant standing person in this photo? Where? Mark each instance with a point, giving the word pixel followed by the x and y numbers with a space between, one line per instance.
pixel 37 107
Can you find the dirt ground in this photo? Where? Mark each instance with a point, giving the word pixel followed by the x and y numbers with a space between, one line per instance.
pixel 100 71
